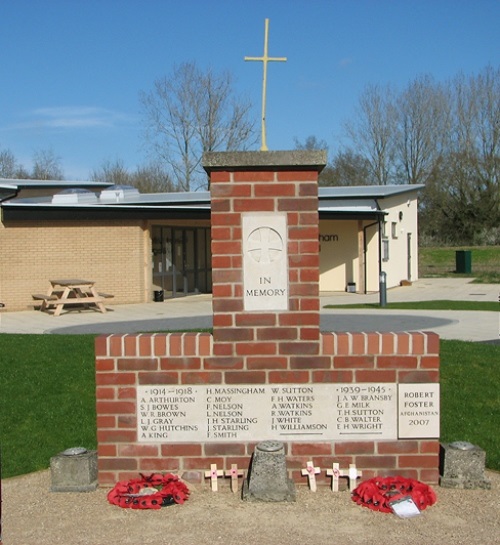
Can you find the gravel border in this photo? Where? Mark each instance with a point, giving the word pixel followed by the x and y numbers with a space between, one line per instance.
pixel 34 515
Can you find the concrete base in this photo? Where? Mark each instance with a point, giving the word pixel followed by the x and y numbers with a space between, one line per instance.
pixel 466 484
pixel 462 466
pixel 74 473
pixel 267 477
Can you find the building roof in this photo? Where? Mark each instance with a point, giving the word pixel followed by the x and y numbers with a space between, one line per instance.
pixel 7 192
pixel 124 201
pixel 367 191
pixel 50 184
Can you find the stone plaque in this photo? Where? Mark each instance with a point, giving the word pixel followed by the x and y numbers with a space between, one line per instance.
pixel 366 411
pixel 222 413
pixel 418 410
pixel 165 412
pixel 265 261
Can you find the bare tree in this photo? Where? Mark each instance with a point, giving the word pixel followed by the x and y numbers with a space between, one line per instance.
pixel 114 173
pixel 147 179
pixel 8 164
pixel 462 198
pixel 191 112
pixel 350 168
pixel 311 143
pixel 422 125
pixel 373 131
pixel 152 179
pixel 46 166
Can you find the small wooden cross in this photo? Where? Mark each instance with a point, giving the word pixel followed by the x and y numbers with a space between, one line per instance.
pixel 352 474
pixel 311 473
pixel 213 473
pixel 234 473
pixel 334 473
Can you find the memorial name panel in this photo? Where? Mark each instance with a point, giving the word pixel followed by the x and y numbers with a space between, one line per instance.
pixel 319 412
pixel 418 409
pixel 164 412
pixel 366 411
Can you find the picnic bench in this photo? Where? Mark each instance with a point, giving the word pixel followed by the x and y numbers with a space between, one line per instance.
pixel 73 292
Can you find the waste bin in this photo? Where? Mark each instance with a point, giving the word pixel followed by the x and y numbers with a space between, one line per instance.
pixel 463 260
pixel 158 296
pixel 351 287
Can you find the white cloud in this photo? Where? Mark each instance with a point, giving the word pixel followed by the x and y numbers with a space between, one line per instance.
pixel 73 117
pixel 345 62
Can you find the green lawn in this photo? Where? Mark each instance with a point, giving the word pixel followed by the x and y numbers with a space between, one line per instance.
pixel 470 396
pixel 428 305
pixel 485 263
pixel 47 397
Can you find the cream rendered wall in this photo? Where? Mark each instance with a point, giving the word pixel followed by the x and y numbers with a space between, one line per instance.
pixel 372 257
pixel 339 255
pixel 338 263
pixel 400 222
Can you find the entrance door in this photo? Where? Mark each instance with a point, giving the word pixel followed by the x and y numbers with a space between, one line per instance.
pixel 181 260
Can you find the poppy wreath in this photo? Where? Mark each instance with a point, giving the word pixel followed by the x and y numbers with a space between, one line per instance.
pixel 379 492
pixel 149 492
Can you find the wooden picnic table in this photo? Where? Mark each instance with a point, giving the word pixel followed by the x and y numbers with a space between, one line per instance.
pixel 74 292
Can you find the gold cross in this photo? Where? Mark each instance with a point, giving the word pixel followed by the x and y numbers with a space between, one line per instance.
pixel 265 59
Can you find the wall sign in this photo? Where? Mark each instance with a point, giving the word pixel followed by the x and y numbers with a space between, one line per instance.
pixel 265 261
pixel 286 412
pixel 418 410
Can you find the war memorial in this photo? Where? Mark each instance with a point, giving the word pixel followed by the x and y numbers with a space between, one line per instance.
pixel 184 401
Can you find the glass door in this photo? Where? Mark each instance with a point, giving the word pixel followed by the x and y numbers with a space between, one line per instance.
pixel 181 260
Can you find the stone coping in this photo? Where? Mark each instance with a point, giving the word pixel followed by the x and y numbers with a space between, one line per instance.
pixel 245 160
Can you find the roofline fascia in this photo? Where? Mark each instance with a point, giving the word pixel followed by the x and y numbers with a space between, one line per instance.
pixel 65 213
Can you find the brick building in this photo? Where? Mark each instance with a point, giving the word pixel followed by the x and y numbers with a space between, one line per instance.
pixel 134 244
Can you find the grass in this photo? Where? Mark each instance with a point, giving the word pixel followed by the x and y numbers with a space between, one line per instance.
pixel 428 305
pixel 441 262
pixel 47 397
pixel 470 396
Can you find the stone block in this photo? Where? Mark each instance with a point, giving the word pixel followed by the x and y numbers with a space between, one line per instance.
pixel 74 470
pixel 462 465
pixel 267 479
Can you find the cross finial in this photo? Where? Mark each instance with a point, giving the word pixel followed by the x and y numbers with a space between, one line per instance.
pixel 265 59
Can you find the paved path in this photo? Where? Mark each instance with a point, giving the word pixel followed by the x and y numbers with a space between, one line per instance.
pixel 195 312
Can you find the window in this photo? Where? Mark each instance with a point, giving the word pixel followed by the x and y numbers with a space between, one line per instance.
pixel 385 249
pixel 394 229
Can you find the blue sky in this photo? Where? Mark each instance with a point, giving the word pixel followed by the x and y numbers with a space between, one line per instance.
pixel 72 70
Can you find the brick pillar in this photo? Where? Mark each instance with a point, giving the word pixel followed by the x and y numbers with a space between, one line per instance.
pixel 279 183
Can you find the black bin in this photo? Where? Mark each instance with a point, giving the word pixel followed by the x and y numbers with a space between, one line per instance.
pixel 463 260
pixel 159 296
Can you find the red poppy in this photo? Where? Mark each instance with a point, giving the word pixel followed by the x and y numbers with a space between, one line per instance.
pixel 377 493
pixel 149 492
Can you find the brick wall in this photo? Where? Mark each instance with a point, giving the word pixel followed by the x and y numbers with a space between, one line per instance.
pixel 265 347
pixel 125 361
pixel 252 341
pixel 113 253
